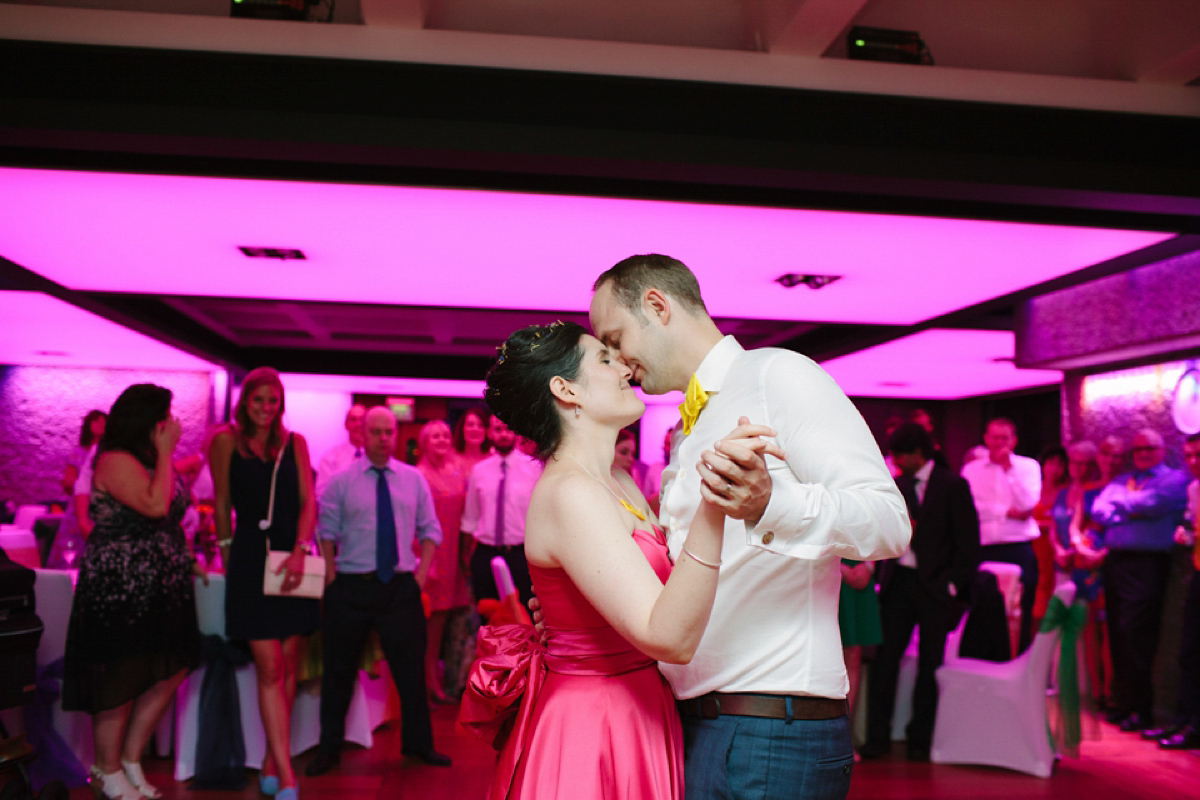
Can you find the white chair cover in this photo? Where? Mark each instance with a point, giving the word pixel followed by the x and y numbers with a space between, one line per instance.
pixel 27 515
pixel 995 713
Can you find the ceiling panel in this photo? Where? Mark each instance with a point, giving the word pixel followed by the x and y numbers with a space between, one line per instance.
pixel 173 235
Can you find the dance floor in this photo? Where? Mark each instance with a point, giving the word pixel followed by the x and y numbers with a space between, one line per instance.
pixel 1115 766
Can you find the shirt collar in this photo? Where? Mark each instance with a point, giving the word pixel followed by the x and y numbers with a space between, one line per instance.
pixel 715 366
pixel 367 466
pixel 922 475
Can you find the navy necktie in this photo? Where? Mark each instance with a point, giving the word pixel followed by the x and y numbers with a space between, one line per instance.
pixel 500 503
pixel 386 555
pixel 908 490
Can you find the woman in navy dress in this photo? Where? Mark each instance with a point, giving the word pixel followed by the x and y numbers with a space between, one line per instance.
pixel 244 458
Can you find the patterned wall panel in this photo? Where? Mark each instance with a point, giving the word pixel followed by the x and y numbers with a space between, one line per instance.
pixel 41 409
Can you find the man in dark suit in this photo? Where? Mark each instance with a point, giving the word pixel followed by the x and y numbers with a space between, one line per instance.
pixel 925 587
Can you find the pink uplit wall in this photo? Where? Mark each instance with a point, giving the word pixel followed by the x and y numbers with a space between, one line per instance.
pixel 1124 401
pixel 41 409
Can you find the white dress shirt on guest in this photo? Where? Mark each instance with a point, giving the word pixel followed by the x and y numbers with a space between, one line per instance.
pixel 774 624
pixel 479 513
pixel 334 461
pixel 996 490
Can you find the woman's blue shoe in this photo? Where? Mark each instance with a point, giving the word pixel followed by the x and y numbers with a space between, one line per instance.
pixel 287 794
pixel 268 785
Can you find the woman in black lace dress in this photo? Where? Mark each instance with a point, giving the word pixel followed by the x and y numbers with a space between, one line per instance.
pixel 133 634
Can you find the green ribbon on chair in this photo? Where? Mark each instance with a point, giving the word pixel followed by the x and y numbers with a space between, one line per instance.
pixel 1071 620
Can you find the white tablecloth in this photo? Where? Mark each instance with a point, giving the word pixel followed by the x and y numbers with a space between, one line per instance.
pixel 366 706
pixel 55 590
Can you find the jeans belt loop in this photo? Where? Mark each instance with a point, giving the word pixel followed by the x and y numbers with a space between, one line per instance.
pixel 787 706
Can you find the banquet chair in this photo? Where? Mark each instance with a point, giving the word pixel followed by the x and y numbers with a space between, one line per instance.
pixel 995 713
pixel 1008 576
pixel 27 514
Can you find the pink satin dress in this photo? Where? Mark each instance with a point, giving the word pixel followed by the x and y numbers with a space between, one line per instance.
pixel 588 716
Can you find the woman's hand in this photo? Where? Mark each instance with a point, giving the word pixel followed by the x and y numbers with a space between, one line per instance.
pixel 857 576
pixel 293 567
pixel 166 435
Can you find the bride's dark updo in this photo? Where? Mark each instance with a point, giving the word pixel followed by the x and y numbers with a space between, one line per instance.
pixel 518 384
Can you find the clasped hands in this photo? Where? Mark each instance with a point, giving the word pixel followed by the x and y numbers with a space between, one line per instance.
pixel 734 475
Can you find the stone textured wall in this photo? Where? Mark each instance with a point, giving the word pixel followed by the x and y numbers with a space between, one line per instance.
pixel 41 409
pixel 1094 319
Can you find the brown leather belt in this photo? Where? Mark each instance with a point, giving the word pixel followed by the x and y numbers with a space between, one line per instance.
pixel 767 706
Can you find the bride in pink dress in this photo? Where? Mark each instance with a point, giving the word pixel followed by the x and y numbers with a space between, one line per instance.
pixel 587 715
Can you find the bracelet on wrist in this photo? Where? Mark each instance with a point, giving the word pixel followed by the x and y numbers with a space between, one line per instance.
pixel 701 561
pixel 224 542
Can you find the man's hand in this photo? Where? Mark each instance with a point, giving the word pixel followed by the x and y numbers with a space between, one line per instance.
pixel 200 572
pixel 1184 537
pixel 539 619
pixel 734 472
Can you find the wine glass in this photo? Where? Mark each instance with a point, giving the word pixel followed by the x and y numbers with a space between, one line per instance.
pixel 70 552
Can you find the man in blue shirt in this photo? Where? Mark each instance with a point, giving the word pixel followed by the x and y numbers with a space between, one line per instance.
pixel 372 511
pixel 1138 512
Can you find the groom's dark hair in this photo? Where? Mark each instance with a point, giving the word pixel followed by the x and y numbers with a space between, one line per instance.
pixel 633 276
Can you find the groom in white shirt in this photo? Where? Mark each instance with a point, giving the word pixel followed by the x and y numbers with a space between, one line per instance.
pixel 763 700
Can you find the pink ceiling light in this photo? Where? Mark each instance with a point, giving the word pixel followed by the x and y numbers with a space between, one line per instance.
pixel 480 249
pixel 937 364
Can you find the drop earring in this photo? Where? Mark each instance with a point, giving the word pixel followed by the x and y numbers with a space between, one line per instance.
pixel 576 412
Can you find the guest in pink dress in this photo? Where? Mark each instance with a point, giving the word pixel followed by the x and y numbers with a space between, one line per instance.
pixel 446 584
pixel 587 715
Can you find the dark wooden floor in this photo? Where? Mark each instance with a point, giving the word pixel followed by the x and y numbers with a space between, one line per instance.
pixel 1115 766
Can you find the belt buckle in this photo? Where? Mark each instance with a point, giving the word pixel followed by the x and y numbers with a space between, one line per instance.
pixel 710 706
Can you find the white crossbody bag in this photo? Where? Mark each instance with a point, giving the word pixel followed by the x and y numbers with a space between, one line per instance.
pixel 312 584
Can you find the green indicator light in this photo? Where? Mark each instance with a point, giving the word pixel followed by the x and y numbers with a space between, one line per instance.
pixel 857 42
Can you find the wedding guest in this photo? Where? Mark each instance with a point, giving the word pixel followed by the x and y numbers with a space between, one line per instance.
pixel 470 438
pixel 446 585
pixel 1184 732
pixel 1078 547
pixel 339 456
pixel 1111 458
pixel 1054 479
pixel 1006 487
pixel 89 433
pixel 858 621
pixel 133 634
pixel 924 588
pixel 261 472
pixel 922 417
pixel 493 520
pixel 625 457
pixel 373 513
pixel 73 528
pixel 1138 513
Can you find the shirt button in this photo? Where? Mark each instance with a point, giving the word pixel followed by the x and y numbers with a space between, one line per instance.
pixel 768 537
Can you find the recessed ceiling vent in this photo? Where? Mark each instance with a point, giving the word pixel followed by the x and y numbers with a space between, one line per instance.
pixel 282 253
pixel 792 279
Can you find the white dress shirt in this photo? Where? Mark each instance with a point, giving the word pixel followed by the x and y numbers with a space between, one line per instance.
pixel 479 513
pixel 774 624
pixel 996 490
pixel 920 484
pixel 334 461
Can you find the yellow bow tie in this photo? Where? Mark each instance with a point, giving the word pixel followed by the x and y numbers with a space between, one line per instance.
pixel 694 401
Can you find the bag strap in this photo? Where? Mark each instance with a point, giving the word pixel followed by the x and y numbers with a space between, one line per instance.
pixel 265 524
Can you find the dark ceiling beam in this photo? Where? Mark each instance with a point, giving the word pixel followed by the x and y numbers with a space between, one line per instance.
pixel 305 118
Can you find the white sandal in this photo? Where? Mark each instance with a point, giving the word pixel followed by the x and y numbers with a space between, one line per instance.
pixel 133 771
pixel 111 785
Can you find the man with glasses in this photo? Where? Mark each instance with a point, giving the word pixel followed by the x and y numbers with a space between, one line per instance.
pixel 1139 511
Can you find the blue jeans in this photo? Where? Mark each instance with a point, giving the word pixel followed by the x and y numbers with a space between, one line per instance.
pixel 747 758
